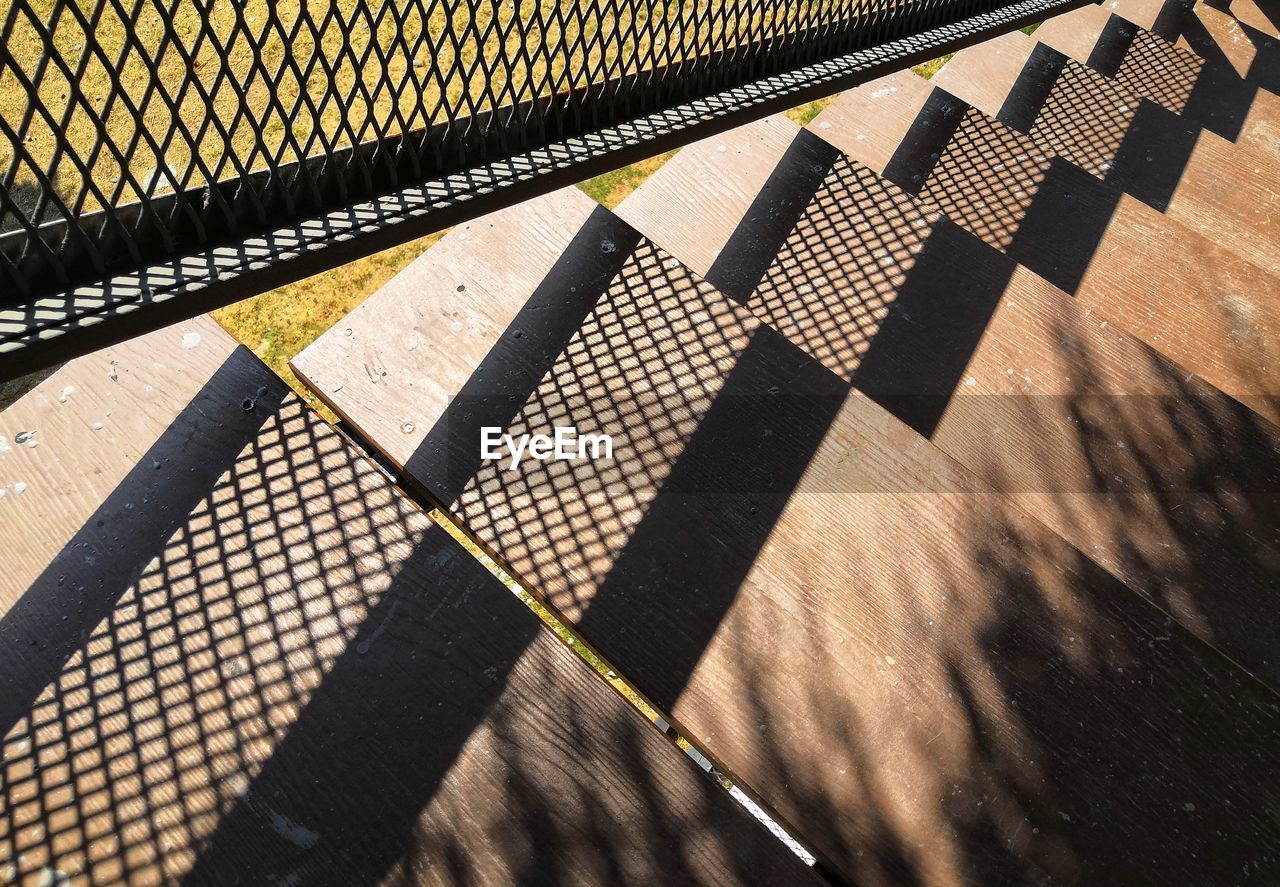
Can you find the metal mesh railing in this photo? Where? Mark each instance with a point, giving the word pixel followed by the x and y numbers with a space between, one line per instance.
pixel 137 131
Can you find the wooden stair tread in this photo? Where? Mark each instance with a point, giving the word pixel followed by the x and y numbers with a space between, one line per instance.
pixel 994 375
pixel 441 317
pixel 1210 33
pixel 1221 37
pixel 1152 277
pixel 1260 15
pixel 1209 92
pixel 1195 177
pixel 836 610
pixel 233 652
pixel 985 79
pixel 684 183
pixel 1076 33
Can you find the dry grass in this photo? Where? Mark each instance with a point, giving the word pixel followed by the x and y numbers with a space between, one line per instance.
pixel 278 324
pixel 290 111
pixel 211 90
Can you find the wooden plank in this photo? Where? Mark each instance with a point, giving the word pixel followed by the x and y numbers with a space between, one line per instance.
pixel 1253 55
pixel 1196 178
pixel 87 436
pixel 232 652
pixel 1260 15
pixel 985 79
pixel 684 183
pixel 1146 13
pixel 1195 29
pixel 1076 33
pixel 1207 91
pixel 924 683
pixel 439 305
pixel 1151 277
pixel 1005 386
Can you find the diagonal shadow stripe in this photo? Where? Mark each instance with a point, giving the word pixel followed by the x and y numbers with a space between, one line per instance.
pixel 40 632
pixel 747 255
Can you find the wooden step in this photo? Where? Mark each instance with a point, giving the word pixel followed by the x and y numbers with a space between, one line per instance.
pixel 1208 92
pixel 924 683
pixel 1196 178
pixel 732 163
pixel 1131 265
pixel 1261 15
pixel 1009 376
pixel 232 652
pixel 1214 35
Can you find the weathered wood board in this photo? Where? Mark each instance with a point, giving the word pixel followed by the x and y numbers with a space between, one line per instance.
pixel 1078 33
pixel 925 684
pixel 232 652
pixel 1212 34
pixel 1194 176
pixel 1261 15
pixel 1178 292
pixel 684 183
pixel 1118 450
pixel 1205 90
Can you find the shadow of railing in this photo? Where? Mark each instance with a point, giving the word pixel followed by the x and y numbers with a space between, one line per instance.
pixel 1263 70
pixel 1052 217
pixel 719 407
pixel 1141 150
pixel 1270 10
pixel 1202 87
pixel 893 296
pixel 952 692
pixel 257 663
pixel 99 563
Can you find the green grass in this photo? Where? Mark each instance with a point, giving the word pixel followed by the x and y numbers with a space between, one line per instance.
pixel 929 68
pixel 806 112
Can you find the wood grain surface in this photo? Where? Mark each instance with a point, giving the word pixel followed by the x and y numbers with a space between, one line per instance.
pixel 1147 13
pixel 1207 90
pixel 1194 176
pixel 1219 36
pixel 1075 33
pixel 1260 15
pixel 1048 401
pixel 984 79
pixel 684 184
pixel 1210 33
pixel 924 683
pixel 232 652
pixel 1150 276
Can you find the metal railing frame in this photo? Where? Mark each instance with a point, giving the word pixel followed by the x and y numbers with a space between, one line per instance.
pixel 69 285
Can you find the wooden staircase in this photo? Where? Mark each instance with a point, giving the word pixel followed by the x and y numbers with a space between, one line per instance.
pixel 1136 267
pixel 233 652
pixel 943 516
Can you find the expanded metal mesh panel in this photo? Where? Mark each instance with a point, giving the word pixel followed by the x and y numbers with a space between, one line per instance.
pixel 198 116
pixel 152 149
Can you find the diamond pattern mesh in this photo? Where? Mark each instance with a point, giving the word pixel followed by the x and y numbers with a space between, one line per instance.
pixel 137 130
